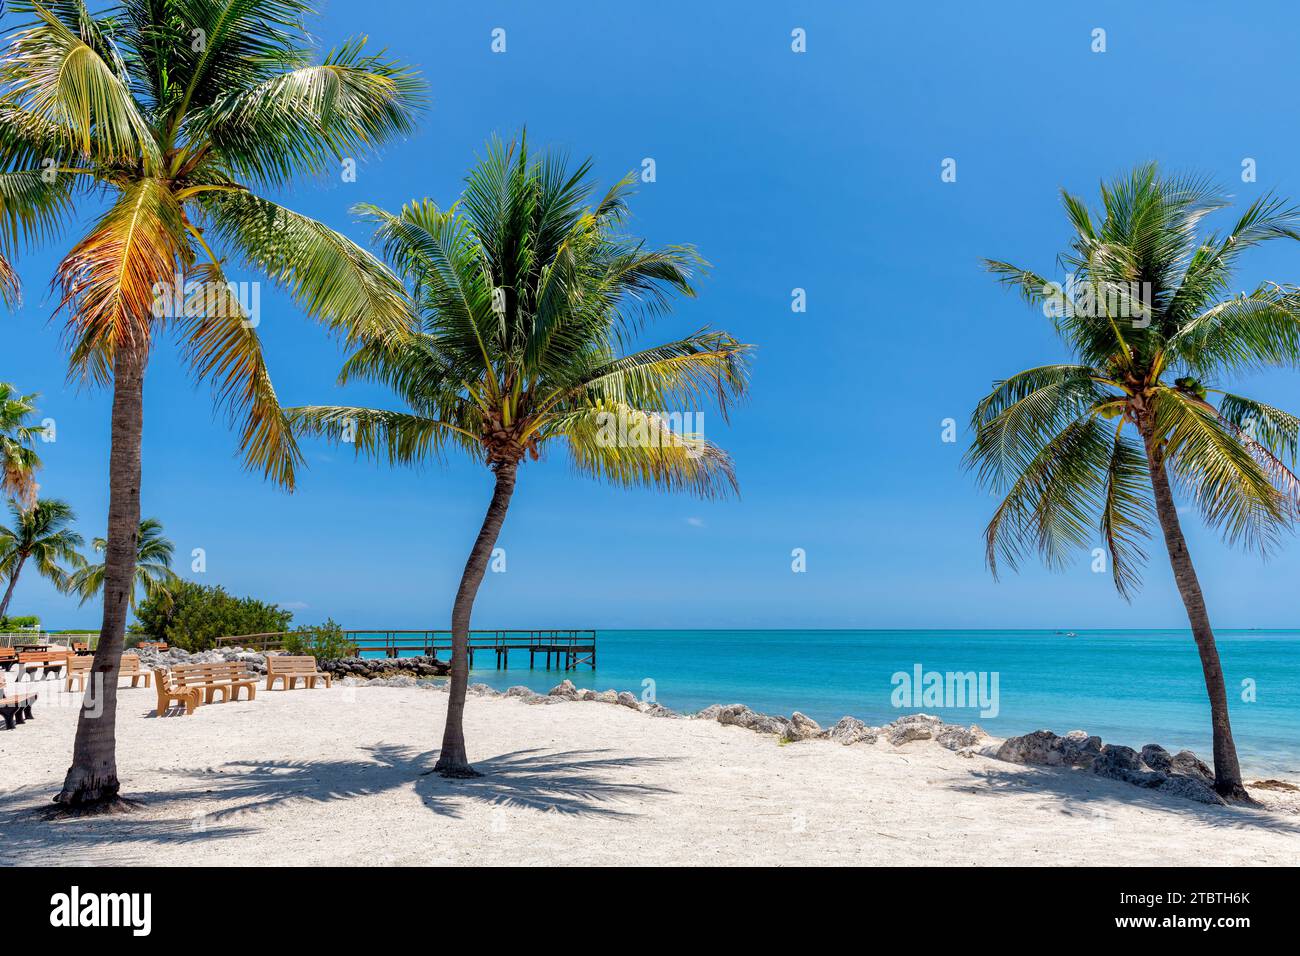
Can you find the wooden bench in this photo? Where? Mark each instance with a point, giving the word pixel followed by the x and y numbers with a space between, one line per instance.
pixel 15 708
pixel 290 669
pixel 131 668
pixel 152 645
pixel 44 661
pixel 226 677
pixel 170 694
pixel 8 657
pixel 78 672
pixel 80 647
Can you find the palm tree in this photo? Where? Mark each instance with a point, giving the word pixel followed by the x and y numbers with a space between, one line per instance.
pixel 154 576
pixel 1096 447
pixel 179 112
pixel 18 459
pixel 39 534
pixel 525 294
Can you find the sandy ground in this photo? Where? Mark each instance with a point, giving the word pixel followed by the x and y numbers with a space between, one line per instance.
pixel 335 777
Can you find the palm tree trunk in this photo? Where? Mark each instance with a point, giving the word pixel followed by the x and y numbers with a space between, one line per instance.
pixel 13 580
pixel 1227 772
pixel 453 761
pixel 92 778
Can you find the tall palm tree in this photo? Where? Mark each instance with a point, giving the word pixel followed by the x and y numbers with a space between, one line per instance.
pixel 154 576
pixel 39 534
pixel 179 112
pixel 1096 448
pixel 18 459
pixel 525 295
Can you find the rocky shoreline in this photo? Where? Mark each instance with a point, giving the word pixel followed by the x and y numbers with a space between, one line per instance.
pixel 1182 774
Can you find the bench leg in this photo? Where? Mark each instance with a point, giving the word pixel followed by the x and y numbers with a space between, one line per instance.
pixel 27 711
pixel 8 715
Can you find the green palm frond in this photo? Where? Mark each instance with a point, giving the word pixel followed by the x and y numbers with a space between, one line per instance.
pixel 1127 513
pixel 1232 491
pixel 64 79
pixel 309 118
pixel 1053 505
pixel 332 278
pixel 393 437
pixel 632 448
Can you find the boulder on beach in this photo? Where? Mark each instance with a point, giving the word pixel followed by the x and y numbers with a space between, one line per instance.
pixel 566 690
pixel 850 730
pixel 656 709
pixel 628 699
pixel 738 715
pixel 1183 775
pixel 801 727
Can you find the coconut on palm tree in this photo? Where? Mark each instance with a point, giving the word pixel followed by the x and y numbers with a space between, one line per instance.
pixel 18 458
pixel 181 114
pixel 154 577
pixel 1094 449
pixel 39 535
pixel 526 291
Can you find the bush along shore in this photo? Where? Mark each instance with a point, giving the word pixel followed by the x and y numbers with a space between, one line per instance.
pixel 1182 774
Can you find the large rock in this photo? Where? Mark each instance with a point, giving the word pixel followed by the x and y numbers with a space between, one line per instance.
pixel 1046 749
pixel 802 727
pixel 850 730
pixel 1182 775
pixel 912 727
pixel 628 699
pixel 710 713
pixel 657 709
pixel 1118 762
pixel 1156 757
pixel 738 715
pixel 566 690
pixel 957 737
pixel 1187 764
pixel 519 690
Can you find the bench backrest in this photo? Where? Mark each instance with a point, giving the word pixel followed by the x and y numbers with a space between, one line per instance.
pixel 130 662
pixel 164 680
pixel 78 665
pixel 290 664
pixel 188 674
pixel 42 657
pixel 8 654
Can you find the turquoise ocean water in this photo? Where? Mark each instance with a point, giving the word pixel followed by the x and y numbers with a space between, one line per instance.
pixel 1129 687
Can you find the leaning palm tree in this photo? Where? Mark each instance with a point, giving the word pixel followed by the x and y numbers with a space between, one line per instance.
pixel 525 294
pixel 1097 448
pixel 18 459
pixel 179 112
pixel 154 577
pixel 39 534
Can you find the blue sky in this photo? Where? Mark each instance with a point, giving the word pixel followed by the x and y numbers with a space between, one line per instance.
pixel 818 170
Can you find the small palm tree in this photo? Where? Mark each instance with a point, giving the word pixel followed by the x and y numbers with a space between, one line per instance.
pixel 180 113
pixel 39 534
pixel 1089 449
pixel 154 577
pixel 525 293
pixel 18 459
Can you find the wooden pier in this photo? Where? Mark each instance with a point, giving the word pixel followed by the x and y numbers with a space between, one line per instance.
pixel 565 649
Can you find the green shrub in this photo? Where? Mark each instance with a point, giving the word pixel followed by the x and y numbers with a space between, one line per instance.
pixel 21 622
pixel 196 615
pixel 322 641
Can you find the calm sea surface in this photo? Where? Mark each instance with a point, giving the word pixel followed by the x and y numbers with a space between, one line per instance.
pixel 1129 687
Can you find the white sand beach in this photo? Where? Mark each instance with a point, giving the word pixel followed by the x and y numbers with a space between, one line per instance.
pixel 336 777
